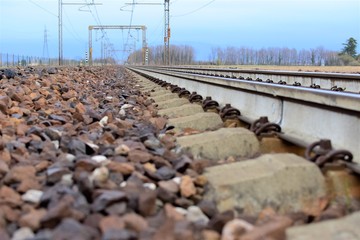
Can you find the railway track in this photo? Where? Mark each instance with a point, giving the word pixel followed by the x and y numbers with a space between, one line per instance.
pixel 305 115
pixel 320 125
pixel 328 81
pixel 109 153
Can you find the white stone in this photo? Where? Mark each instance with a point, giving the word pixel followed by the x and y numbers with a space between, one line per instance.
pixel 70 157
pixel 67 180
pixel 126 106
pixel 194 214
pixel 56 144
pixel 99 158
pixel 177 180
pixel 92 145
pixel 104 121
pixel 23 234
pixel 123 184
pixel 32 196
pixel 180 210
pixel 122 113
pixel 151 186
pixel 100 174
pixel 122 149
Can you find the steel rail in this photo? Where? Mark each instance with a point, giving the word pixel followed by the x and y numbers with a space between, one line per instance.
pixel 305 115
pixel 341 81
pixel 348 76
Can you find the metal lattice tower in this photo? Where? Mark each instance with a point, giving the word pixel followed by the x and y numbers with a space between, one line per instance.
pixel 45 45
pixel 167 32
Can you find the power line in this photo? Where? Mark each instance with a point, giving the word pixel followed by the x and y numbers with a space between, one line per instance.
pixel 195 10
pixel 104 33
pixel 39 6
pixel 72 32
pixel 131 19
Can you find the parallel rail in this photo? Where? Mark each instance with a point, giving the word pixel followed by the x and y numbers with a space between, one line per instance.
pixel 335 81
pixel 305 115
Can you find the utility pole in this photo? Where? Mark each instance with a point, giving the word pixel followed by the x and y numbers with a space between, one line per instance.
pixel 60 24
pixel 167 32
pixel 166 27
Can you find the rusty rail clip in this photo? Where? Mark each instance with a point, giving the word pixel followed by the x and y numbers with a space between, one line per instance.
pixel 262 125
pixel 228 112
pixel 337 89
pixel 184 93
pixel 194 97
pixel 314 85
pixel 326 153
pixel 164 84
pixel 208 103
pixel 175 89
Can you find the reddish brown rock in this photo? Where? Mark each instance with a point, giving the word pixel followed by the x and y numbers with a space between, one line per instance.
pixel 147 202
pixel 32 219
pixel 159 122
pixel 5 103
pixel 135 222
pixel 10 214
pixel 169 185
pixel 139 156
pixel 123 168
pixel 210 235
pixel 5 156
pixel 20 173
pixel 111 223
pixel 172 213
pixel 80 108
pixel 187 187
pixel 4 168
pixel 27 185
pixel 70 94
pixel 56 213
pixel 9 196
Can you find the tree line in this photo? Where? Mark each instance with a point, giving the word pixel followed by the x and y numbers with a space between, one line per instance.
pixel 272 56
pixel 286 56
pixel 185 55
pixel 179 55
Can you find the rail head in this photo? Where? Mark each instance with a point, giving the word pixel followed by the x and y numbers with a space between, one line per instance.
pixel 323 75
pixel 326 98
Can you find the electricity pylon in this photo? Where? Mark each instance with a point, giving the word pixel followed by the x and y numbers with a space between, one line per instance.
pixel 45 45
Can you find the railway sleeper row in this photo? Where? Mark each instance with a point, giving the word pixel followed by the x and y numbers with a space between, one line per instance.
pixel 251 168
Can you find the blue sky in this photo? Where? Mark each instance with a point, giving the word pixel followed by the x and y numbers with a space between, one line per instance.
pixel 301 24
